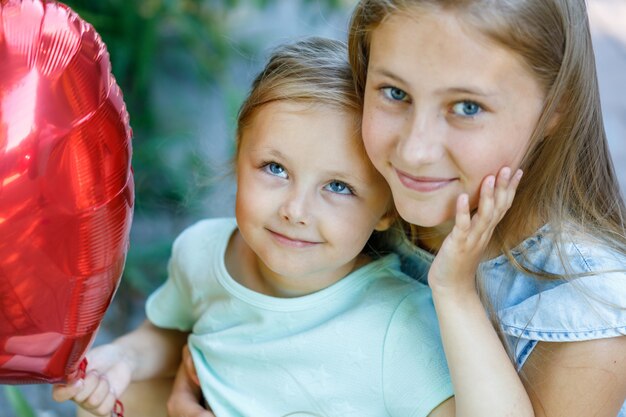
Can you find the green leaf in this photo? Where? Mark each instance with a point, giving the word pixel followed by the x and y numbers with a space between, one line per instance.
pixel 18 403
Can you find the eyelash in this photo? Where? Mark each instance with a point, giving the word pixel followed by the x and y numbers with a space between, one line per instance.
pixel 265 167
pixel 480 109
pixel 387 93
pixel 345 184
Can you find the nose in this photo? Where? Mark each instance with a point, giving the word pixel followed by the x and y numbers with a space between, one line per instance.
pixel 421 140
pixel 294 208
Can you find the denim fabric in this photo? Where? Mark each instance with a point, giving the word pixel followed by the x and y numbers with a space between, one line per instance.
pixel 553 310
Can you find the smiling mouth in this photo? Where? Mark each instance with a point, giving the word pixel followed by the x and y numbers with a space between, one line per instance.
pixel 423 184
pixel 291 242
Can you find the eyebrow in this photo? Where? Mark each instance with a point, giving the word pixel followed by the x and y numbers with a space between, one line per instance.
pixel 351 178
pixel 272 152
pixel 473 90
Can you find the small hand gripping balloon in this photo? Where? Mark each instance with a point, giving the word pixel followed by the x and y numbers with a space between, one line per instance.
pixel 66 190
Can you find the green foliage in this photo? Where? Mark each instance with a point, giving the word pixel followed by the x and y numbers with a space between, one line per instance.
pixel 17 402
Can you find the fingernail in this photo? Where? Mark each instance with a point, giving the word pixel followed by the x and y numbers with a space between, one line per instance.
pixel 491 181
pixel 506 173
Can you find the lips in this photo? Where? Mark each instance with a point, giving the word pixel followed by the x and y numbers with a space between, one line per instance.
pixel 291 241
pixel 423 184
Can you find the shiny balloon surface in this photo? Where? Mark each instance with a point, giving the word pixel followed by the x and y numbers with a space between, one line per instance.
pixel 66 189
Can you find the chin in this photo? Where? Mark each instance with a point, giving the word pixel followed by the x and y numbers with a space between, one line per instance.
pixel 423 215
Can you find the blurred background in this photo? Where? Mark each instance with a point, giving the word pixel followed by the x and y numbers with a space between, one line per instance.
pixel 184 67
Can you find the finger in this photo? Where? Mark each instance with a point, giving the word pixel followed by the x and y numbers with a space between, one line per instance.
pixel 502 190
pixel 119 378
pixel 99 394
pixel 190 368
pixel 515 181
pixel 107 406
pixel 62 393
pixel 482 218
pixel 463 219
pixel 91 381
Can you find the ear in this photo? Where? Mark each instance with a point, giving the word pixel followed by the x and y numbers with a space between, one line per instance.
pixel 386 220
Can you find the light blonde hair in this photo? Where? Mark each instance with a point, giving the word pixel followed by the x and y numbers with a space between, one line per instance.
pixel 313 71
pixel 569 180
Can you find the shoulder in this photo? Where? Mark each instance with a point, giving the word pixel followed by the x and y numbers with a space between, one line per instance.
pixel 206 229
pixel 582 295
pixel 201 234
pixel 578 379
pixel 567 252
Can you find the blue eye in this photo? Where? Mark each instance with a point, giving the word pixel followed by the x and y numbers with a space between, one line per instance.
pixel 395 94
pixel 466 108
pixel 275 169
pixel 339 187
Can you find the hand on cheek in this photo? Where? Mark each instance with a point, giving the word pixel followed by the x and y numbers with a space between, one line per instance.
pixel 454 269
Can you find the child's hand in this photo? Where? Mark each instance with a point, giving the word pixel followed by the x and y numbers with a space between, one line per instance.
pixel 185 398
pixel 108 375
pixel 454 269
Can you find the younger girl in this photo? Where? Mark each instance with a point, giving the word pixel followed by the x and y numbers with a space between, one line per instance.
pixel 453 90
pixel 291 312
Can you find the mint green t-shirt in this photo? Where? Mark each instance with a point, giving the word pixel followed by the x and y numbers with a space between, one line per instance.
pixel 368 345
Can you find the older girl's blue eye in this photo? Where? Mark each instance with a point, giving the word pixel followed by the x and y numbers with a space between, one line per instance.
pixel 275 169
pixel 394 93
pixel 466 108
pixel 338 187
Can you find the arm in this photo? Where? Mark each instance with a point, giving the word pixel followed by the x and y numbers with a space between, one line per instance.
pixel 577 379
pixel 147 352
pixel 484 379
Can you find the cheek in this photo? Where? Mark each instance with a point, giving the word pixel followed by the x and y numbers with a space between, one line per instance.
pixel 246 205
pixel 374 139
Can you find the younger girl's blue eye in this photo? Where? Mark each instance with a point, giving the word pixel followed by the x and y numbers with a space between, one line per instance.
pixel 275 169
pixel 466 108
pixel 338 187
pixel 394 93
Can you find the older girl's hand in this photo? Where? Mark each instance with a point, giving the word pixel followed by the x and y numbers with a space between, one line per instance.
pixel 454 269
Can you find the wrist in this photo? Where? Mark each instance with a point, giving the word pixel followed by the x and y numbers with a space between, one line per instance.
pixel 458 291
pixel 461 298
pixel 128 356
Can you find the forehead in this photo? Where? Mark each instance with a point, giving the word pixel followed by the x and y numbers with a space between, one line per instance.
pixel 303 128
pixel 439 45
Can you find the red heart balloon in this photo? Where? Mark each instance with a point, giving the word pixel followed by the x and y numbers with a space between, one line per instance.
pixel 66 189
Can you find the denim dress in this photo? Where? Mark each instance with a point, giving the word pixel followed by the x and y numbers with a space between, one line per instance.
pixel 531 309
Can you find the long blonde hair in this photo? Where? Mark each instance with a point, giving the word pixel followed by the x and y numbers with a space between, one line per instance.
pixel 569 180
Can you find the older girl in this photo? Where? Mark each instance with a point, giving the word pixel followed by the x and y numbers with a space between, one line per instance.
pixel 455 89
